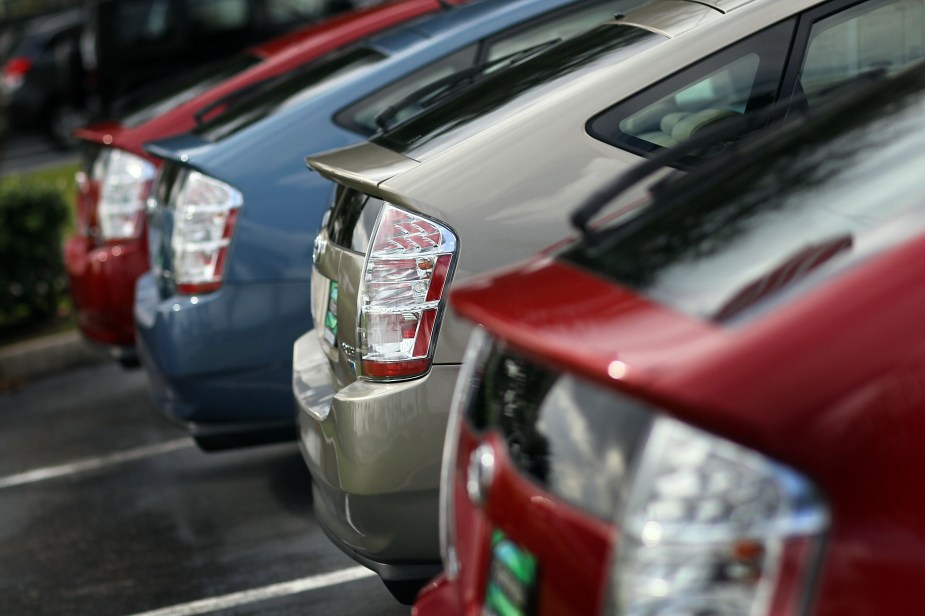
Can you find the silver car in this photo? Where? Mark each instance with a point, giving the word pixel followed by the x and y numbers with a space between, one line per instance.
pixel 486 178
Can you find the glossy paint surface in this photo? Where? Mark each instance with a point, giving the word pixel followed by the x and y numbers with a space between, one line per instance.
pixel 283 206
pixel 104 292
pixel 503 207
pixel 828 379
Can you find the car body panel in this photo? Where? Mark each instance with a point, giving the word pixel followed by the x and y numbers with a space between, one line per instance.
pixel 283 205
pixel 508 204
pixel 107 318
pixel 824 376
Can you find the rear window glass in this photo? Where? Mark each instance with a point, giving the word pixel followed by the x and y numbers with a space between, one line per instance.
pixel 152 103
pixel 505 92
pixel 746 232
pixel 274 94
pixel 350 223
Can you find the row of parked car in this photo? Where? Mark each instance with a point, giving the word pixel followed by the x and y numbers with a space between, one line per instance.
pixel 702 397
pixel 95 58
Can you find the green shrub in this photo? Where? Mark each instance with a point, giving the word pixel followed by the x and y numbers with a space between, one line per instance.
pixel 33 284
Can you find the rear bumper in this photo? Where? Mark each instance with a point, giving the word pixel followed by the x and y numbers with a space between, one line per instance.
pixel 222 360
pixel 375 461
pixel 102 283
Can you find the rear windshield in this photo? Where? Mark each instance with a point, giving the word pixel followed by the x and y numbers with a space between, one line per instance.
pixel 508 91
pixel 742 234
pixel 287 90
pixel 172 93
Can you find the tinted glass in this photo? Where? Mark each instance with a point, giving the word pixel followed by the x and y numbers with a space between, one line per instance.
pixel 731 83
pixel 143 22
pixel 352 218
pixel 874 35
pixel 218 15
pixel 508 91
pixel 288 11
pixel 361 117
pixel 288 90
pixel 556 428
pixel 546 28
pixel 173 93
pixel 750 230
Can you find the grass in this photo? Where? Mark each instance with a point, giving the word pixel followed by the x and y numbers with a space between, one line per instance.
pixel 61 178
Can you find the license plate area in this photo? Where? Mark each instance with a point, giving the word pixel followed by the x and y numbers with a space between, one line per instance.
pixel 512 579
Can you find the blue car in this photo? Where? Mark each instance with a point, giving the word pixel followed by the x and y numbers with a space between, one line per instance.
pixel 235 211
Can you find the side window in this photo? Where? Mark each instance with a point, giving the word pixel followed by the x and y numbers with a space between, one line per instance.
pixel 281 12
pixel 143 21
pixel 564 25
pixel 218 15
pixel 874 35
pixel 733 82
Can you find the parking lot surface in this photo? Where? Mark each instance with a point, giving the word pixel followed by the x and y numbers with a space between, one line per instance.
pixel 106 508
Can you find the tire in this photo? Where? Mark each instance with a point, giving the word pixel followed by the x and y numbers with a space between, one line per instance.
pixel 62 121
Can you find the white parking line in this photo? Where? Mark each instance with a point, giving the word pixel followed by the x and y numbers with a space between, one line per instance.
pixel 314 582
pixel 62 470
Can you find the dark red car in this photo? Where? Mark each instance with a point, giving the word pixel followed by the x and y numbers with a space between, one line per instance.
pixel 714 403
pixel 109 250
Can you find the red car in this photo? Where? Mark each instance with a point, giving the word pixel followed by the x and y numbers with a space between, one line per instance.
pixel 109 250
pixel 713 403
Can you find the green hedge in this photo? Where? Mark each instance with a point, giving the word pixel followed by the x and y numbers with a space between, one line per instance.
pixel 33 217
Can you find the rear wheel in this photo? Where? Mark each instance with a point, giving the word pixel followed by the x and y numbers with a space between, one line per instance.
pixel 63 120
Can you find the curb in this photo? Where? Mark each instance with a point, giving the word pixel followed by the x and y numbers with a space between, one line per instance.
pixel 32 359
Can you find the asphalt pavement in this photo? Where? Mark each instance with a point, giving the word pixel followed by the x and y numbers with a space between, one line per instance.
pixel 108 509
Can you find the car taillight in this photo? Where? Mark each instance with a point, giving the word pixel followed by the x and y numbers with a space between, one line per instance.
pixel 713 528
pixel 14 73
pixel 204 219
pixel 408 267
pixel 125 183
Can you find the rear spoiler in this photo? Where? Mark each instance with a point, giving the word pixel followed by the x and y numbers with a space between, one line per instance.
pixel 364 167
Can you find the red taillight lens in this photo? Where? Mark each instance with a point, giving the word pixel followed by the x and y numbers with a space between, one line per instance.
pixel 407 269
pixel 17 66
pixel 14 73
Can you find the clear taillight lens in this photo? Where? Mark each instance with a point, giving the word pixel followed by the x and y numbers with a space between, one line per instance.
pixel 126 182
pixel 205 214
pixel 713 528
pixel 407 269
